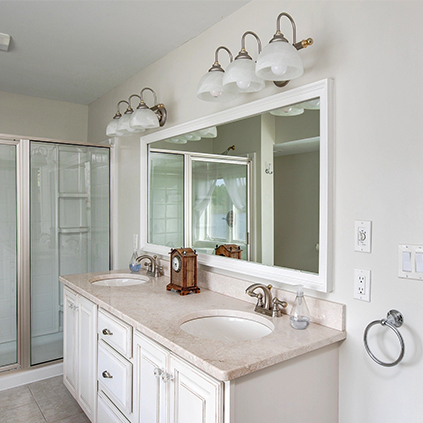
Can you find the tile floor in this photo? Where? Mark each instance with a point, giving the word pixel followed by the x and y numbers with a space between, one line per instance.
pixel 40 402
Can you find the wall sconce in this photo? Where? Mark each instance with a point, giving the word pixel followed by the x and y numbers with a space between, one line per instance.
pixel 278 62
pixel 143 118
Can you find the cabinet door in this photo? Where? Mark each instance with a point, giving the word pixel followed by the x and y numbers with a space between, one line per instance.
pixel 70 341
pixel 87 356
pixel 150 396
pixel 194 396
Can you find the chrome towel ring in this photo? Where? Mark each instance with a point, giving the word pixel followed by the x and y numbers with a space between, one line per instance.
pixel 393 321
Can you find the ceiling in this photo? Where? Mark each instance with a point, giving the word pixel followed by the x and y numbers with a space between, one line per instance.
pixel 76 51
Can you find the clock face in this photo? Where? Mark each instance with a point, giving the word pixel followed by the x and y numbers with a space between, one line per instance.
pixel 176 263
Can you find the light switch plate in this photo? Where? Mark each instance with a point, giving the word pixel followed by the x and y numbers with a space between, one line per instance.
pixel 410 261
pixel 363 236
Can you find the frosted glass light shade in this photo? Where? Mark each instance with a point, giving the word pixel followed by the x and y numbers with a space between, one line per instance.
pixel 112 128
pixel 210 88
pixel 123 128
pixel 279 61
pixel 208 132
pixel 192 136
pixel 240 77
pixel 176 140
pixel 144 119
pixel 287 111
pixel 313 104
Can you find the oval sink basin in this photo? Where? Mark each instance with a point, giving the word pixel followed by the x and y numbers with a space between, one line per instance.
pixel 227 325
pixel 119 280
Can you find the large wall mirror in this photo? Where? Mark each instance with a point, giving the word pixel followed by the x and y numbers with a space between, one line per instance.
pixel 247 188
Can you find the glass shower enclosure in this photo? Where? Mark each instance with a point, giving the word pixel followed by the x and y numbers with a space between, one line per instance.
pixel 54 220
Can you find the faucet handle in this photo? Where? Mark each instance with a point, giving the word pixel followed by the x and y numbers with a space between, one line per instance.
pixel 259 297
pixel 277 304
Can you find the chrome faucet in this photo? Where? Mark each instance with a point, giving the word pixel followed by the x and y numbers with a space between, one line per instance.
pixel 271 306
pixel 153 268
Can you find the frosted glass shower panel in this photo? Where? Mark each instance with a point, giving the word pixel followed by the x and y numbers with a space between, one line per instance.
pixel 69 232
pixel 8 256
pixel 166 190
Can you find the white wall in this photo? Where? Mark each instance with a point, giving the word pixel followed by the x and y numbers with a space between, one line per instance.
pixel 34 117
pixel 369 49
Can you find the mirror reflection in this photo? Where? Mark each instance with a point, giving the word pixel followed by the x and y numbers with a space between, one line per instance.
pixel 246 190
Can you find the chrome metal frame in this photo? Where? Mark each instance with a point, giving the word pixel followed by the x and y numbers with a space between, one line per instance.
pixel 24 241
pixel 189 157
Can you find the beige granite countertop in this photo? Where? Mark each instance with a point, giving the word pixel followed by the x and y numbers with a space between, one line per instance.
pixel 157 313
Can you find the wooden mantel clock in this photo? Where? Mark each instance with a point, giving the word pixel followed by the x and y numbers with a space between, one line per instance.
pixel 183 271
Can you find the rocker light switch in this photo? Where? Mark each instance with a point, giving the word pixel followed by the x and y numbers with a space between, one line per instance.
pixel 406 261
pixel 419 262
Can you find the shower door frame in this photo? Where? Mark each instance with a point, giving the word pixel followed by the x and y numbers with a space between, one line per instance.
pixel 23 186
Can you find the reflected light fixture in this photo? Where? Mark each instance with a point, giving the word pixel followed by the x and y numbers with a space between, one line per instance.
pixel 143 118
pixel 240 77
pixel 210 86
pixel 280 61
pixel 288 111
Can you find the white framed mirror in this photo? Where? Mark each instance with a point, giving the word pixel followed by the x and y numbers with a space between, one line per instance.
pixel 249 188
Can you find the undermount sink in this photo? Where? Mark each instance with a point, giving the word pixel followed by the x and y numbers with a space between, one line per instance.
pixel 119 280
pixel 226 325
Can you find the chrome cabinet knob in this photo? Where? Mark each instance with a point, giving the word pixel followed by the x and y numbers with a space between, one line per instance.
pixel 107 375
pixel 106 332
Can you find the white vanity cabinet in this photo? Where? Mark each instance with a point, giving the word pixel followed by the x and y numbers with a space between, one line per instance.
pixel 80 350
pixel 167 389
pixel 114 369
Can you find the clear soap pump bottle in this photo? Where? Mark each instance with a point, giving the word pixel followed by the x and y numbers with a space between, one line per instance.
pixel 300 316
pixel 134 266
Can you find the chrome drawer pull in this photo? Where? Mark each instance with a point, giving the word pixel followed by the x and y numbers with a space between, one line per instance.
pixel 107 375
pixel 106 332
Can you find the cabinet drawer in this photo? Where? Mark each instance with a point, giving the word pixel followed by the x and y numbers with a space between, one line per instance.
pixel 114 374
pixel 115 332
pixel 107 412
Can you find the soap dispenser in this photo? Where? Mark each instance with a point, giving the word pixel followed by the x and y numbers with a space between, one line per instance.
pixel 134 266
pixel 300 316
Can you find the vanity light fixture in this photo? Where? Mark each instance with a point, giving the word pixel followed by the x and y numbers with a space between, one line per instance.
pixel 280 61
pixel 143 118
pixel 148 118
pixel 240 77
pixel 288 111
pixel 210 87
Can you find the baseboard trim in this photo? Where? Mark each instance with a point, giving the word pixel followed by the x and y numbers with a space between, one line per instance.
pixel 19 377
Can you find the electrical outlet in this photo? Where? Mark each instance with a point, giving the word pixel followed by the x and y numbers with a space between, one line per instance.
pixel 362 284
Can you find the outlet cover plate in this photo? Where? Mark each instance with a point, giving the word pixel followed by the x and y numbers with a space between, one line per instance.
pixel 362 284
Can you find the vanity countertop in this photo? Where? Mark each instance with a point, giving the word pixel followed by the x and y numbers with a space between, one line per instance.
pixel 157 313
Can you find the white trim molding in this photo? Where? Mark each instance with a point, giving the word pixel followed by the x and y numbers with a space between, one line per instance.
pixel 243 269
